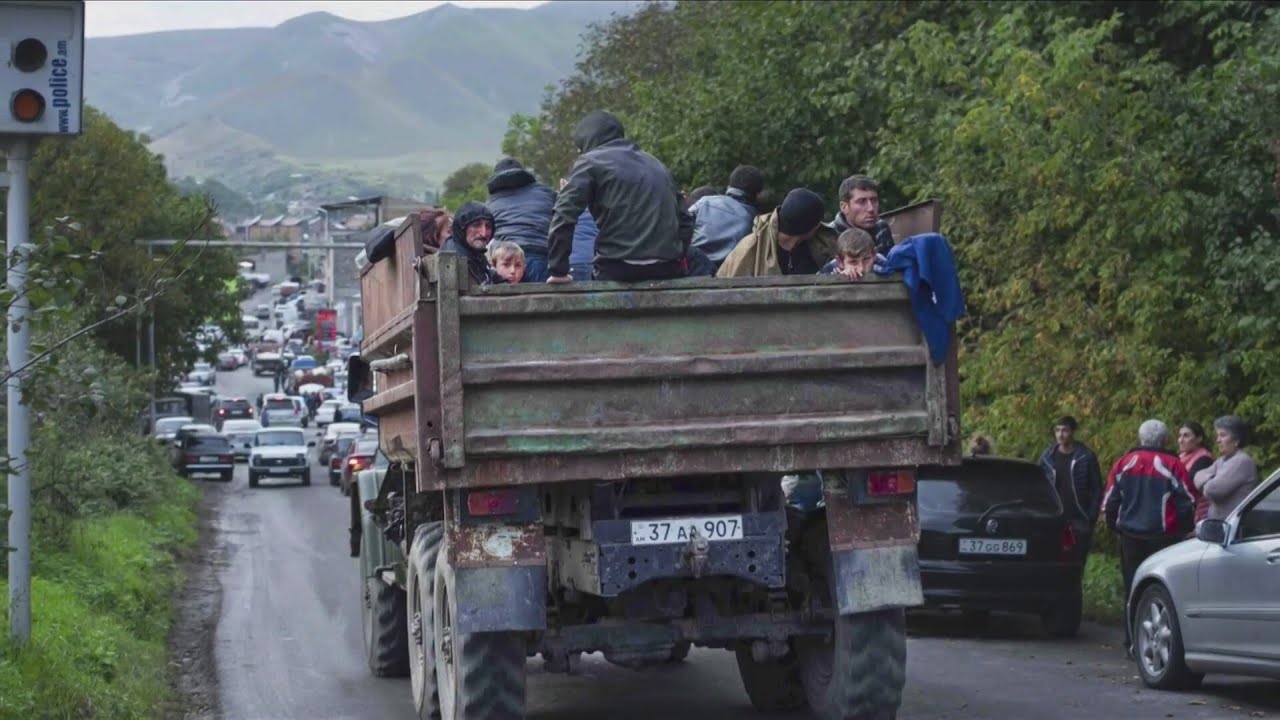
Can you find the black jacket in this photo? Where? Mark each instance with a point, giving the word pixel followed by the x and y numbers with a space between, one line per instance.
pixel 477 264
pixel 632 196
pixel 883 236
pixel 521 208
pixel 1083 506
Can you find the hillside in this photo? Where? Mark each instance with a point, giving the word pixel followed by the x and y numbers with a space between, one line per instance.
pixel 321 104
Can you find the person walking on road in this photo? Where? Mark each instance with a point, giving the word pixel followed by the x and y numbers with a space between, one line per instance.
pixel 1072 468
pixel 1147 503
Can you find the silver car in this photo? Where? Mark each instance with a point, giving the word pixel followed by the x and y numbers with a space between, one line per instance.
pixel 1212 604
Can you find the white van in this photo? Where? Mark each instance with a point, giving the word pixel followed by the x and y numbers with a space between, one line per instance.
pixel 252 325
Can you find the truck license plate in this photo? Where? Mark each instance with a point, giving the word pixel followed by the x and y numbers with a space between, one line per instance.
pixel 993 546
pixel 681 530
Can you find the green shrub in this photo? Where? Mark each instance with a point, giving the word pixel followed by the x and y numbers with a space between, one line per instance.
pixel 1103 591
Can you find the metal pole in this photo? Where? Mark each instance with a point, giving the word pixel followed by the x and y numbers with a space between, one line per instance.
pixel 151 346
pixel 18 336
pixel 329 277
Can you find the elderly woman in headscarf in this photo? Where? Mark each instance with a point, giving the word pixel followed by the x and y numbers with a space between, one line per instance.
pixel 1230 479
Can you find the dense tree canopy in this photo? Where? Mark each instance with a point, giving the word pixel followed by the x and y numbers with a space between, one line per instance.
pixel 1109 172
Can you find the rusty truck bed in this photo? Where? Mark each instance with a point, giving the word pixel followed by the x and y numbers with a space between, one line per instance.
pixel 534 384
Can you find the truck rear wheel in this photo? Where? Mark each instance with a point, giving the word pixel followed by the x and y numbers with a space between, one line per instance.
pixel 386 645
pixel 771 685
pixel 858 672
pixel 481 676
pixel 422 650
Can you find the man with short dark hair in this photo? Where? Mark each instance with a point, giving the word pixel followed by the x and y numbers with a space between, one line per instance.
pixel 1072 468
pixel 643 231
pixel 721 221
pixel 860 208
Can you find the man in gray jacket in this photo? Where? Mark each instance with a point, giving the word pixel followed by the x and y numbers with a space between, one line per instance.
pixel 521 208
pixel 720 221
pixel 635 201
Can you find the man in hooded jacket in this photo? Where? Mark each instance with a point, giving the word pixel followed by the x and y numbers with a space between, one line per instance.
pixel 521 208
pixel 643 232
pixel 472 231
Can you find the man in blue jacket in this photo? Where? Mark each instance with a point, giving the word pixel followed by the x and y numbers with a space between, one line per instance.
pixel 1072 468
pixel 521 208
pixel 720 221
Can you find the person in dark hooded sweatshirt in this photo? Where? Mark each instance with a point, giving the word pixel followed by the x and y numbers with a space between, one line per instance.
pixel 643 232
pixel 521 208
pixel 472 231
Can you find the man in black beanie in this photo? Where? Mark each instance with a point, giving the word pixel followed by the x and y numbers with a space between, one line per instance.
pixel 791 240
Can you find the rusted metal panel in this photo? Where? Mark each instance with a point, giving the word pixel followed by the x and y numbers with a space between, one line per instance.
pixel 495 545
pixel 858 527
pixel 921 217
pixel 551 467
pixel 453 278
pixel 427 417
pixel 872 579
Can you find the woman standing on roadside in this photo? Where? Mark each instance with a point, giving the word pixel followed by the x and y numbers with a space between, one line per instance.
pixel 1195 457
pixel 1233 475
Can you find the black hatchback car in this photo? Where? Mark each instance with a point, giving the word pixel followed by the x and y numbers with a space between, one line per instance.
pixel 206 454
pixel 233 409
pixel 994 537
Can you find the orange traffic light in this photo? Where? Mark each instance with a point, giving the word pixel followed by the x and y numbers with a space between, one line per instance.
pixel 27 105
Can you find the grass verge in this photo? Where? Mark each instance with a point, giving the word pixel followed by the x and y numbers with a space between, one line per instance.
pixel 101 611
pixel 1103 599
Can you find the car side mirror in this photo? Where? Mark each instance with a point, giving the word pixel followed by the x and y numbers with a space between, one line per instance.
pixel 359 380
pixel 1213 531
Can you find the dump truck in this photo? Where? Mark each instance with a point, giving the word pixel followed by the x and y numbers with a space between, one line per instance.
pixel 598 467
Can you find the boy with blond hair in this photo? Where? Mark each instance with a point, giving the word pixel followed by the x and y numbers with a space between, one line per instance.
pixel 507 259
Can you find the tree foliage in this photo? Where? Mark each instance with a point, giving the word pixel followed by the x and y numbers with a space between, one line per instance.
pixel 466 183
pixel 1109 172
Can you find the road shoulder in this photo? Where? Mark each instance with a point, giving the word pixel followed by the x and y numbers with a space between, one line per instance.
pixel 192 663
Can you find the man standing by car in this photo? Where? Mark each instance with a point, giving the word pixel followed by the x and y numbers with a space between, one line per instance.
pixel 643 232
pixel 1072 468
pixel 1147 502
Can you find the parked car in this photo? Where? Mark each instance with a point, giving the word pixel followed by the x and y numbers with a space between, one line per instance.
pixel 227 361
pixel 331 433
pixel 1212 604
pixel 262 312
pixel 240 433
pixel 167 427
pixel 993 536
pixel 359 457
pixel 201 373
pixel 205 454
pixel 241 356
pixel 340 449
pixel 279 409
pixel 279 453
pixel 236 408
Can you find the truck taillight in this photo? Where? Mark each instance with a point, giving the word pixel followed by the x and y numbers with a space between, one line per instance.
pixel 890 482
pixel 227 458
pixel 192 458
pixel 493 502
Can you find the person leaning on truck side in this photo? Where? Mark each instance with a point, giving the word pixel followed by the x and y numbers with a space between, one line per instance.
pixel 860 208
pixel 720 221
pixel 791 240
pixel 521 208
pixel 472 231
pixel 643 232
pixel 1147 503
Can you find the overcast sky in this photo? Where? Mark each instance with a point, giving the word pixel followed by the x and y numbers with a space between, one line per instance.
pixel 131 17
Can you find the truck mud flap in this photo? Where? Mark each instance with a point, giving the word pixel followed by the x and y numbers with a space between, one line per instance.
pixel 873 554
pixel 500 577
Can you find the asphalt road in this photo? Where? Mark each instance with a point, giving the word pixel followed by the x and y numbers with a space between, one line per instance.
pixel 288 643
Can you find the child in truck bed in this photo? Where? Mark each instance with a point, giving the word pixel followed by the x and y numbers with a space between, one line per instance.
pixel 507 259
pixel 855 255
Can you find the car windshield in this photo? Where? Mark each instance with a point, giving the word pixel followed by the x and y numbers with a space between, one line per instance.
pixel 168 425
pixel 979 487
pixel 208 443
pixel 279 404
pixel 280 437
pixel 235 404
pixel 241 426
pixel 201 367
pixel 366 447
pixel 344 444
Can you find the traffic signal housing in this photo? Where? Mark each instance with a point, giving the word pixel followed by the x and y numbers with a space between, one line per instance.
pixel 41 78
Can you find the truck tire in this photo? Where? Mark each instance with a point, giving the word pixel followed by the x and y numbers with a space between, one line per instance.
pixel 481 676
pixel 858 673
pixel 306 477
pixel 772 685
pixel 422 651
pixel 386 638
pixel 253 479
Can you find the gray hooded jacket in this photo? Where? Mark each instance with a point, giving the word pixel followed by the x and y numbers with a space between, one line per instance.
pixel 630 193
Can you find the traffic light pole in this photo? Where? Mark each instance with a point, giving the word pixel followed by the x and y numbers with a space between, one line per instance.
pixel 18 337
